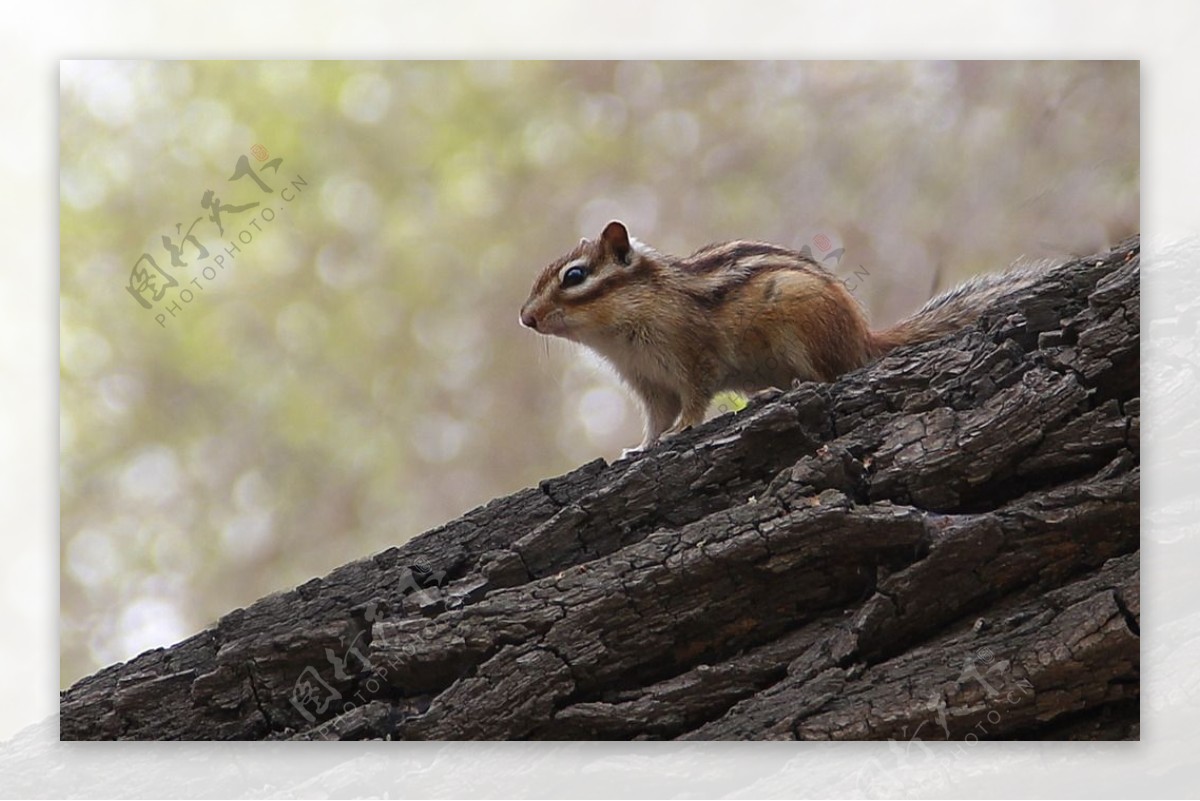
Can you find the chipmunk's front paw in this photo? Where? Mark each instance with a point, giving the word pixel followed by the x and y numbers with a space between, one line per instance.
pixel 629 453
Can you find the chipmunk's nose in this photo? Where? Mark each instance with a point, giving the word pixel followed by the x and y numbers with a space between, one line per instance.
pixel 528 320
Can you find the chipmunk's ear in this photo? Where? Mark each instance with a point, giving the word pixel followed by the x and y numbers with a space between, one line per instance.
pixel 616 239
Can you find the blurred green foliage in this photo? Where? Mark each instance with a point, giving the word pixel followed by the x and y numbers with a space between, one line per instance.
pixel 356 374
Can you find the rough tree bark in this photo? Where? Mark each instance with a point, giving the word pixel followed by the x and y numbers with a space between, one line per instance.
pixel 941 546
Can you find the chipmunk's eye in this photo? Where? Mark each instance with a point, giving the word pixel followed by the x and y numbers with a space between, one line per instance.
pixel 574 276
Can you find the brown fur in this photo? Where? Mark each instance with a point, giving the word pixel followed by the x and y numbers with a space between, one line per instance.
pixel 741 316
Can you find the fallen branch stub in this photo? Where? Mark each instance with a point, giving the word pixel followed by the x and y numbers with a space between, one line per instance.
pixel 942 545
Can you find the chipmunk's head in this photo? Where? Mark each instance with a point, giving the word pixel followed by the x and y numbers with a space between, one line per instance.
pixel 583 294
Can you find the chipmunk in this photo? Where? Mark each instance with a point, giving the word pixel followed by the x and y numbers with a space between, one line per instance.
pixel 743 316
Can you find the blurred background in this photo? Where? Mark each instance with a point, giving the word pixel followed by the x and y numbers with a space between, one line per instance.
pixel 354 373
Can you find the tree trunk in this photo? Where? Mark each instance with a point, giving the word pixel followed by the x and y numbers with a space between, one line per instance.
pixel 941 546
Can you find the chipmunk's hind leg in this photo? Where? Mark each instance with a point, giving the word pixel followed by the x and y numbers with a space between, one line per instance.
pixel 662 408
pixel 694 408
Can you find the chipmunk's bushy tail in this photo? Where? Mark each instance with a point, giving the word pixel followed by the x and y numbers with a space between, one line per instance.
pixel 957 308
